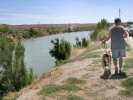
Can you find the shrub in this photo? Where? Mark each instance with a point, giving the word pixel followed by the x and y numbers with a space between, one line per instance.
pixel 101 30
pixel 61 50
pixel 29 33
pixel 81 44
pixel 84 42
pixel 78 43
pixel 13 72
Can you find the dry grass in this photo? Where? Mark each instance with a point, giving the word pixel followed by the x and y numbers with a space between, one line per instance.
pixel 10 96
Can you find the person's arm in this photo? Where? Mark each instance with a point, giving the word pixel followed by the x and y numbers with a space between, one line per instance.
pixel 107 38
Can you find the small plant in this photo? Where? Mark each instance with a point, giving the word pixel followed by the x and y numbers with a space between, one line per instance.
pixel 78 43
pixel 84 42
pixel 81 43
pixel 59 62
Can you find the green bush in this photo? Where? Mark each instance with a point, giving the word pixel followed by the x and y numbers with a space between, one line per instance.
pixel 32 33
pixel 100 31
pixel 61 50
pixel 13 72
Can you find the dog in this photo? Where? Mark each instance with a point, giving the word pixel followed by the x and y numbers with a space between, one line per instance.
pixel 106 63
pixel 106 60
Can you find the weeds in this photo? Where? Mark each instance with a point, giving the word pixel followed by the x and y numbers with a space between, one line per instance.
pixel 128 85
pixel 73 80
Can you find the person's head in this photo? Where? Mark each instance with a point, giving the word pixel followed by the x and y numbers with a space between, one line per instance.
pixel 117 21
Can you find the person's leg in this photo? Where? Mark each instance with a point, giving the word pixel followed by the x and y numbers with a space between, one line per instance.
pixel 115 56
pixel 116 65
pixel 120 64
pixel 122 53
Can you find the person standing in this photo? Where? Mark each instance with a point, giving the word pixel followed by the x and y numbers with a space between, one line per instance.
pixel 118 46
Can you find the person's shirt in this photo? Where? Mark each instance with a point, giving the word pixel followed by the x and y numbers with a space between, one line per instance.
pixel 117 37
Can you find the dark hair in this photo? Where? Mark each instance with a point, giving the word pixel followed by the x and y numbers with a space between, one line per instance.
pixel 117 20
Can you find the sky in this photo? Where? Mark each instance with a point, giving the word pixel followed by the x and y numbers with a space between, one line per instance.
pixel 63 11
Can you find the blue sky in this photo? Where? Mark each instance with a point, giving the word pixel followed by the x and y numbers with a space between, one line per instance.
pixel 63 11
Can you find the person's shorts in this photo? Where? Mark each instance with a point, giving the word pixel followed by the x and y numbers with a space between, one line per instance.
pixel 118 53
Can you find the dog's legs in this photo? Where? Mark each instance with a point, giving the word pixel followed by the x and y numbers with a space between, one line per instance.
pixel 110 62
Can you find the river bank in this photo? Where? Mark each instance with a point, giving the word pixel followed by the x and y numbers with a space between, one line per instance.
pixel 86 67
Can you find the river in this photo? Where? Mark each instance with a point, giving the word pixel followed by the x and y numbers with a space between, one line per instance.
pixel 37 54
